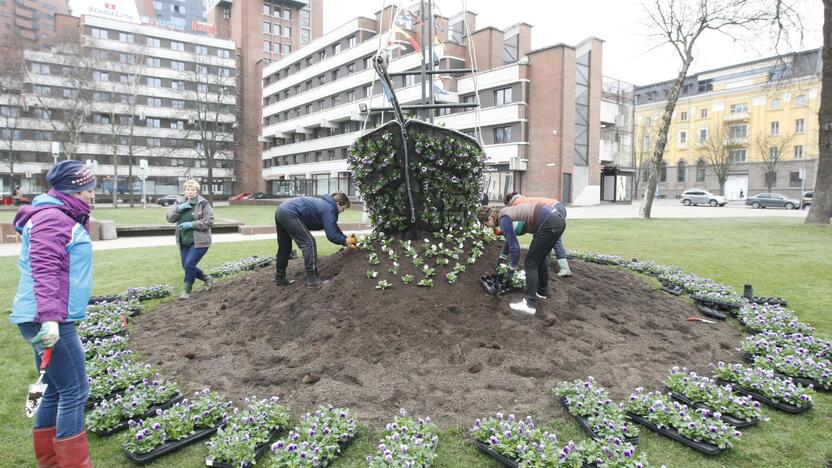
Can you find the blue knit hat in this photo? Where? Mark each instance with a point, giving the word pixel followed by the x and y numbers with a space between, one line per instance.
pixel 71 176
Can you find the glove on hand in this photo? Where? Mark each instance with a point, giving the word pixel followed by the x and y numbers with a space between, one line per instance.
pixel 48 335
pixel 184 206
pixel 352 241
pixel 186 226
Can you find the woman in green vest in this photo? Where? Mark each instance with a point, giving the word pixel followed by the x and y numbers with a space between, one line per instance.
pixel 194 217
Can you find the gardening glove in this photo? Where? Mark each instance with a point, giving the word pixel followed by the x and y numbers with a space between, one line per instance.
pixel 352 242
pixel 186 226
pixel 186 205
pixel 48 335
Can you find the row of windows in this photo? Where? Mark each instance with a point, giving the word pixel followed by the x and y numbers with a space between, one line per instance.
pixel 131 59
pixel 681 175
pixel 304 158
pixel 276 10
pixel 177 85
pixel 155 42
pixel 321 55
pixel 737 132
pixel 276 29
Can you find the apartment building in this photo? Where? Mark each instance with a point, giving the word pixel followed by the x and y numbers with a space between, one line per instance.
pixel 539 117
pixel 755 122
pixel 29 23
pixel 264 31
pixel 123 94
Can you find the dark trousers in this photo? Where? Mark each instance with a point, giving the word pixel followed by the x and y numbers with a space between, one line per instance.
pixel 289 227
pixel 560 250
pixel 536 266
pixel 67 388
pixel 190 256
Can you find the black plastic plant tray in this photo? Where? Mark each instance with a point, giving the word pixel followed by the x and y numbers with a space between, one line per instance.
pixel 782 406
pixel 738 423
pixel 805 381
pixel 710 311
pixel 704 447
pixel 588 427
pixel 150 412
pixel 715 303
pixel 493 286
pixel 258 452
pixel 496 456
pixel 769 300
pixel 672 288
pixel 169 447
pixel 101 299
pixel 91 402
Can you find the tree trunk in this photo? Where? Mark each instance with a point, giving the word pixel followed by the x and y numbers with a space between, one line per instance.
pixel 130 173
pixel 115 176
pixel 210 162
pixel 821 208
pixel 661 141
pixel 722 188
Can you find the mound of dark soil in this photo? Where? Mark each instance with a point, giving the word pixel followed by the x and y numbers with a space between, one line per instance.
pixel 450 352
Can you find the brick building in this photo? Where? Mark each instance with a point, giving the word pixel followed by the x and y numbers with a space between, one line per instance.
pixel 29 23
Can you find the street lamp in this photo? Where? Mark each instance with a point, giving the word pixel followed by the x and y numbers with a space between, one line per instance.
pixel 56 151
pixel 143 176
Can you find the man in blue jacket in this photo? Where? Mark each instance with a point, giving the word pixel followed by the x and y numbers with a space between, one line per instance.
pixel 294 219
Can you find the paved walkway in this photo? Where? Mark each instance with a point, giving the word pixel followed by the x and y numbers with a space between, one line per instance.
pixel 661 209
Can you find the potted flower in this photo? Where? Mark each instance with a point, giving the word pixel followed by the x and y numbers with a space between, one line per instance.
pixel 316 441
pixel 157 291
pixel 595 411
pixel 765 386
pixel 247 433
pixel 407 441
pixel 701 392
pixel 139 401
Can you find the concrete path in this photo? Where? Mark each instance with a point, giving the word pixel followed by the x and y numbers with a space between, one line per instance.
pixel 661 209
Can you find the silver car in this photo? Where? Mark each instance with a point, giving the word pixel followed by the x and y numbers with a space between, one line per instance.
pixel 772 200
pixel 702 197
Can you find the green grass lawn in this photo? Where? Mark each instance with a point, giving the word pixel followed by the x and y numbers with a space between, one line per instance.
pixel 255 215
pixel 780 257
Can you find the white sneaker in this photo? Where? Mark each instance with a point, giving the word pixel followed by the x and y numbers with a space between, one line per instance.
pixel 541 296
pixel 523 308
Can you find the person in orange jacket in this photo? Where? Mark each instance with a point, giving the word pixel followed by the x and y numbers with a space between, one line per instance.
pixel 515 198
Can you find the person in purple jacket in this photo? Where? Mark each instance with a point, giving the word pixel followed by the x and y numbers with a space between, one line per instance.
pixel 55 285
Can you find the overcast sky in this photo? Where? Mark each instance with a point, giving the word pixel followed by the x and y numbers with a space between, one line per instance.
pixel 620 23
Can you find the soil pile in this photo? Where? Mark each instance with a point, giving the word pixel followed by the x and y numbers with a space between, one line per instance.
pixel 451 352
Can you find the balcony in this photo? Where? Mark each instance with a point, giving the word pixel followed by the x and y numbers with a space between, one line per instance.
pixel 736 117
pixel 488 116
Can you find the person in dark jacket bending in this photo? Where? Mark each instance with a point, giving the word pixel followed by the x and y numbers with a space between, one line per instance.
pixel 294 219
pixel 546 225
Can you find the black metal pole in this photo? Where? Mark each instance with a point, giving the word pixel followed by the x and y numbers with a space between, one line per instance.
pixel 430 57
pixel 422 44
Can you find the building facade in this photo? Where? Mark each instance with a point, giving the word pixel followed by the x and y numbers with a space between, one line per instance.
pixel 264 31
pixel 539 116
pixel 29 23
pixel 755 123
pixel 122 94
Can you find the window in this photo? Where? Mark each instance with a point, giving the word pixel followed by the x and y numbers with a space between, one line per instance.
pixel 287 14
pixel 154 123
pixel 100 55
pixel 739 108
pixel 336 48
pixel 267 46
pixel 801 100
pixel 307 109
pixel 502 96
pixel 154 102
pixel 276 29
pixel 798 151
pixel 127 79
pixel 705 86
pixel 100 97
pixel 321 55
pixel 775 104
pixel 737 132
pixel 99 33
pixel 794 179
pixel 770 178
pixel 775 128
pixel 700 171
pixel 409 80
pixel 321 79
pixel 40 68
pixel 350 96
pixel 681 171
pixel 100 119
pixel 154 82
pixel 42 114
pixel 502 135
pixel 153 62
pixel 100 76
pixel 321 104
pixel 703 113
pixel 368 91
pixel 287 31
pixel 178 46
pixel 335 74
pixel 683 137
pixel 178 9
pixel 267 27
pixel 457 32
pixel 368 63
pixel 178 66
pixel 224 72
pixel 128 59
pixel 128 99
pixel 703 135
pixel 799 126
pixel 154 42
pixel 223 53
pixel 511 46
pixel 177 124
pixel 201 50
pixel 126 37
pixel 177 103
pixel 350 68
pixel 177 85
pixel 683 116
pixel 9 111
pixel 276 47
pixel 773 153
pixel 351 41
pixel 336 100
pixel 151 141
pixel 736 155
pixel 287 49
pixel 663 172
pixel 125 120
pixel 266 9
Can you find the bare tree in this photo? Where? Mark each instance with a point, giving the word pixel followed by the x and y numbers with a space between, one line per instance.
pixel 821 209
pixel 12 102
pixel 645 142
pixel 718 147
pixel 213 106
pixel 680 23
pixel 772 149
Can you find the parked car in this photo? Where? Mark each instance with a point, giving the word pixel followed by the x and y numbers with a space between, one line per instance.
pixel 807 200
pixel 261 195
pixel 168 200
pixel 775 200
pixel 702 197
pixel 240 196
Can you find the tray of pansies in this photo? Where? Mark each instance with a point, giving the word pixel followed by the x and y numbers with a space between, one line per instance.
pixel 701 392
pixel 591 406
pixel 182 424
pixel 765 386
pixel 319 438
pixel 773 300
pixel 247 434
pixel 696 429
pixel 406 441
pixel 103 299
pixel 139 401
pixel 104 328
pixel 104 346
pixel 116 379
pixel 799 364
pixel 764 342
pixel 717 301
pixel 157 291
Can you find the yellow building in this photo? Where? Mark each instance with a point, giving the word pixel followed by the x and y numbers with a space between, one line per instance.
pixel 749 122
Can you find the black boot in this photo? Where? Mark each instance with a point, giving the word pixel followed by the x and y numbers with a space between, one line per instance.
pixel 313 281
pixel 280 279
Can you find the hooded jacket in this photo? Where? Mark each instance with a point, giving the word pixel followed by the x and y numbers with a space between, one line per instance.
pixel 203 219
pixel 316 214
pixel 55 260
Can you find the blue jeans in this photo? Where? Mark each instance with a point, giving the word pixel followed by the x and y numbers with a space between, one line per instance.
pixel 190 257
pixel 67 388
pixel 560 250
